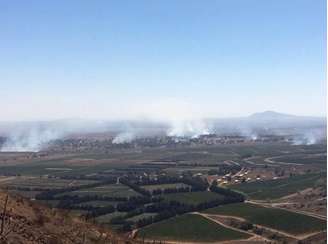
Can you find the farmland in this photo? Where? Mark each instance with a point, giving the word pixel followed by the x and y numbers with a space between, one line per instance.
pixel 278 219
pixel 110 190
pixel 272 189
pixel 141 216
pixel 156 189
pixel 192 198
pixel 106 218
pixel 303 159
pixel 164 186
pixel 98 204
pixel 44 183
pixel 189 228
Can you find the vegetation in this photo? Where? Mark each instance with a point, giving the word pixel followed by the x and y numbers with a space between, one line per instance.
pixel 189 227
pixel 275 218
pixel 110 190
pixel 272 189
pixel 193 198
pixel 302 159
pixel 164 186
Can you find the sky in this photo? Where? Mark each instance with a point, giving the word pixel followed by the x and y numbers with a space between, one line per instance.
pixel 156 58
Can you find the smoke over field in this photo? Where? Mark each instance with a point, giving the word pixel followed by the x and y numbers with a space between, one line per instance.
pixel 192 129
pixel 35 136
pixel 31 140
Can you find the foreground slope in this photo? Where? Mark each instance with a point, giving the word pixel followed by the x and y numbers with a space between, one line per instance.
pixel 28 222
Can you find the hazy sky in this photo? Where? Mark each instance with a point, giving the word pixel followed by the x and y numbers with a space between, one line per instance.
pixel 117 59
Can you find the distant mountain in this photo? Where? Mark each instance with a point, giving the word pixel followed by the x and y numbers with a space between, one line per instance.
pixel 268 120
pixel 272 115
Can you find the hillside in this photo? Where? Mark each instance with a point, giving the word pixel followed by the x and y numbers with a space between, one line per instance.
pixel 30 223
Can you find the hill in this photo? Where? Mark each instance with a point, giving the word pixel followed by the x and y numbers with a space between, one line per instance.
pixel 30 223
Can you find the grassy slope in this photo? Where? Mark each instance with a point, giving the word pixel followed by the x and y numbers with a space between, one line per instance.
pixel 189 227
pixel 270 217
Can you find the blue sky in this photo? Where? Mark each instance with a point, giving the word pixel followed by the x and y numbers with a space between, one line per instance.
pixel 122 59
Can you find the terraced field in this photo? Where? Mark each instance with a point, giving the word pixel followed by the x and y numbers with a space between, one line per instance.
pixel 272 189
pixel 278 219
pixel 189 227
pixel 192 198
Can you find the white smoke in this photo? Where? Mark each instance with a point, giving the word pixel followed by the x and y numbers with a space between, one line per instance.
pixel 182 118
pixel 125 137
pixel 247 132
pixel 309 137
pixel 31 140
pixel 191 128
pixel 34 136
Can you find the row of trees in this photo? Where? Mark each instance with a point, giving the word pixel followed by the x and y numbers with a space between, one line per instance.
pixel 162 179
pixel 51 194
pixel 229 195
pixel 196 183
pixel 224 169
pixel 166 210
pixel 135 187
pixel 171 190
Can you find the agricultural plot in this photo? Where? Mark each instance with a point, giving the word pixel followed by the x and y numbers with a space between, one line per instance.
pixel 272 189
pixel 269 149
pixel 106 218
pixel 192 198
pixel 43 183
pixel 165 186
pixel 302 159
pixel 200 156
pixel 98 204
pixel 189 227
pixel 182 169
pixel 110 190
pixel 275 218
pixel 141 216
pixel 66 166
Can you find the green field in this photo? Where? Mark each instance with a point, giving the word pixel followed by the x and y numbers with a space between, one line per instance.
pixel 194 170
pixel 278 219
pixel 99 204
pixel 192 198
pixel 44 183
pixel 165 186
pixel 106 218
pixel 272 189
pixel 189 227
pixel 141 216
pixel 303 159
pixel 200 156
pixel 110 190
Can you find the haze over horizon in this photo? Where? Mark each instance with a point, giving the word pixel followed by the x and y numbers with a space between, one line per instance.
pixel 181 60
